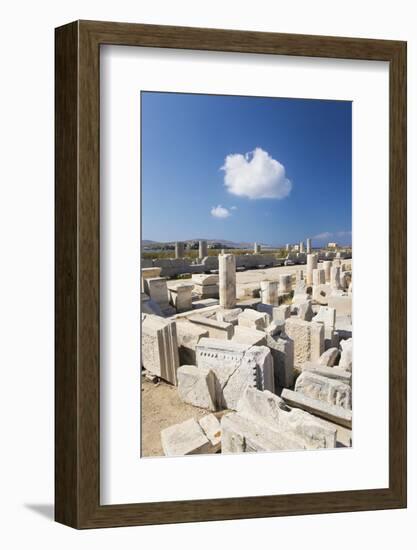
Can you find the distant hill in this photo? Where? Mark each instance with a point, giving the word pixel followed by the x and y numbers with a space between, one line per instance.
pixel 225 243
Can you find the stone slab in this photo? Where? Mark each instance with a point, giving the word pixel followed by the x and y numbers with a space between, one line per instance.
pixel 197 386
pixel 186 438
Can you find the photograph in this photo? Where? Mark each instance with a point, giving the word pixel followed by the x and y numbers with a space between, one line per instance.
pixel 246 274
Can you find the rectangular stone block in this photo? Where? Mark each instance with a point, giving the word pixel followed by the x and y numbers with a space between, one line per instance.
pixel 333 413
pixel 205 280
pixel 330 372
pixel 197 386
pixel 249 336
pixel 319 277
pixel 156 288
pixel 160 347
pixel 325 389
pixel 216 329
pixel 186 438
pixel 236 367
pixel 342 304
pixel 188 336
pixel 229 315
pixel 206 291
pixel 253 319
pixel 308 340
pixel 150 273
pixel 181 297
pixel 282 349
pixel 211 427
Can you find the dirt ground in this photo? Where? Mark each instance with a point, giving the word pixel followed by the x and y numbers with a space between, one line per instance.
pixel 161 408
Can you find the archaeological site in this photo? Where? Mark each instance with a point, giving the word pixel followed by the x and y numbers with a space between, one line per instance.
pixel 246 352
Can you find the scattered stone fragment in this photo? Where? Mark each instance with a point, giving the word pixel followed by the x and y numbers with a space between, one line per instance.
pixel 245 335
pixel 186 438
pixel 325 389
pixel 188 336
pixel 329 357
pixel 212 429
pixel 330 372
pixel 308 340
pixel 216 329
pixel 229 315
pixel 160 347
pixel 197 386
pixel 282 349
pixel 346 355
pixel 181 297
pixel 335 414
pixel 253 319
pixel 321 293
pixel 304 310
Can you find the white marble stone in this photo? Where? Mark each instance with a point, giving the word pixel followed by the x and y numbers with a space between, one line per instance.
pixel 160 347
pixel 308 340
pixel 197 386
pixel 325 389
pixel 227 281
pixel 186 438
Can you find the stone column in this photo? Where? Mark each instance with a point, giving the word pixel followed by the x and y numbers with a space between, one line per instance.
pixel 202 249
pixel 269 293
pixel 256 248
pixel 335 277
pixel 301 247
pixel 308 246
pixel 311 264
pixel 287 247
pixel 227 280
pixel 285 283
pixel 319 277
pixel 327 265
pixel 179 250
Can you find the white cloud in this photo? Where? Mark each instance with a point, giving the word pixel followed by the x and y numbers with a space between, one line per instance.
pixel 323 236
pixel 256 175
pixel 220 211
pixel 233 208
pixel 328 235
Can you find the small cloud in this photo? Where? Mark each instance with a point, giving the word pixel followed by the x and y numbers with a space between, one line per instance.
pixel 220 211
pixel 233 208
pixel 323 236
pixel 255 175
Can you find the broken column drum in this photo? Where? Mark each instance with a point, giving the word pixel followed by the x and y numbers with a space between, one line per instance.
pixel 202 249
pixel 311 264
pixel 227 280
pixel 179 250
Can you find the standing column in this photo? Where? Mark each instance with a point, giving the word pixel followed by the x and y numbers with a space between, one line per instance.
pixel 227 280
pixel 301 247
pixel 179 250
pixel 269 293
pixel 256 248
pixel 202 249
pixel 327 265
pixel 308 246
pixel 311 264
pixel 287 247
pixel 335 277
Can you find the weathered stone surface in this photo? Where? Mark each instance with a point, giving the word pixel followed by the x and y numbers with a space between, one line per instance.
pixel 325 389
pixel 216 329
pixel 311 264
pixel 229 315
pixel 330 372
pixel 206 291
pixel 282 349
pixel 212 429
pixel 346 355
pixel 205 280
pixel 329 357
pixel 299 275
pixel 278 426
pixel 335 277
pixel 202 249
pixel 236 367
pixel 253 319
pixel 188 336
pixel 327 265
pixel 342 304
pixel 319 277
pixel 179 250
pixel 227 280
pixel 245 335
pixel 160 347
pixel 285 283
pixel 197 386
pixel 186 438
pixel 326 315
pixel 333 413
pixel 321 294
pixel 150 273
pixel 308 340
pixel 304 310
pixel 269 292
pixel 156 288
pixel 181 297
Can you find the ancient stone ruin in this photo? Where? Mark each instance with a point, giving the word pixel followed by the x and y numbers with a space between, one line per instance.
pixel 259 347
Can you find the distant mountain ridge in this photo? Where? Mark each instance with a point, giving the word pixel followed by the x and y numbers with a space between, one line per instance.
pixel 226 243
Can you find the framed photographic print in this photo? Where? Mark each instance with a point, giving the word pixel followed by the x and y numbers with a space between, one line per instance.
pixel 216 193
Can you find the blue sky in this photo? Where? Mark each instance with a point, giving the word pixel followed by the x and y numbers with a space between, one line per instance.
pixel 245 169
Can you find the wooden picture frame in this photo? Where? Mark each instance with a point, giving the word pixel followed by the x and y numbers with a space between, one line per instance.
pixel 77 374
